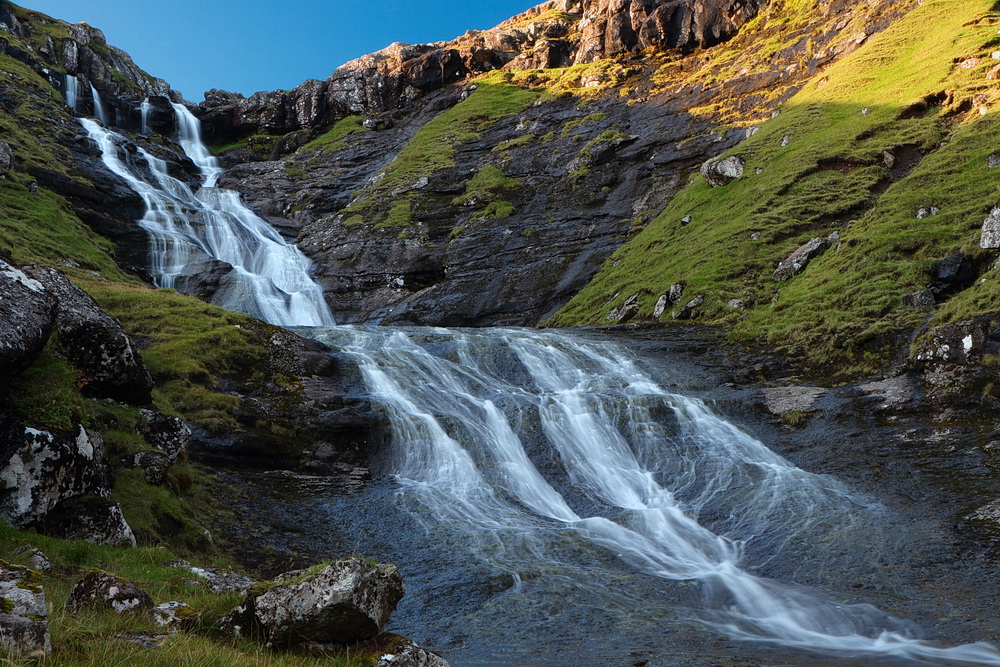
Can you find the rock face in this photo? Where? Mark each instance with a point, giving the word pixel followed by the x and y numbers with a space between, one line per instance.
pixel 102 590
pixel 95 343
pixel 23 614
pixel 27 317
pixel 347 602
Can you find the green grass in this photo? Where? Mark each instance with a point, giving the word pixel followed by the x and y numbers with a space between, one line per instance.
pixel 334 139
pixel 97 638
pixel 846 304
pixel 488 183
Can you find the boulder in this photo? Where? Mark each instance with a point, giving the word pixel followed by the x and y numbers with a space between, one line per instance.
pixel 96 343
pixel 690 310
pixel 675 293
pixel 103 590
pixel 723 171
pixel 660 307
pixel 990 235
pixel 24 623
pixel 405 653
pixel 168 436
pixel 954 273
pixel 38 470
pixel 799 260
pixel 27 318
pixel 626 311
pixel 346 602
pixel 36 558
pixel 91 518
pixel 175 616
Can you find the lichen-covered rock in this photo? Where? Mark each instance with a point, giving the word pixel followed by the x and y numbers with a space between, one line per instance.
pixel 626 311
pixel 723 171
pixel 175 615
pixel 346 602
pixel 406 653
pixel 96 343
pixel 922 299
pixel 690 310
pixel 36 558
pixel 799 260
pixel 38 470
pixel 960 343
pixel 103 590
pixel 168 436
pixel 24 623
pixel 27 317
pixel 990 236
pixel 221 581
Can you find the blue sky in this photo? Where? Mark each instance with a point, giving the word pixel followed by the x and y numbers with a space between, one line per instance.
pixel 250 45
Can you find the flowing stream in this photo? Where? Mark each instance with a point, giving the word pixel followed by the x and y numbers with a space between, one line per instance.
pixel 536 453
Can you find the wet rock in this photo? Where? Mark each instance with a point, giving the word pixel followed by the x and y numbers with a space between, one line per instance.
pixel 723 171
pixel 922 299
pixel 175 616
pixel 102 590
pixel 690 310
pixel 990 235
pixel 960 343
pixel 24 627
pixel 27 318
pixel 96 343
pixel 781 400
pixel 169 437
pixel 892 393
pixel 799 260
pixel 626 311
pixel 347 602
pixel 6 158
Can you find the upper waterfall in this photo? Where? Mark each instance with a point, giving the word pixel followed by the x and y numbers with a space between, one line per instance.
pixel 194 232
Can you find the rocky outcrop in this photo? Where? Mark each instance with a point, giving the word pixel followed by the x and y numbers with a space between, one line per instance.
pixel 346 602
pixel 109 365
pixel 168 436
pixel 24 627
pixel 614 27
pixel 27 317
pixel 59 483
pixel 103 590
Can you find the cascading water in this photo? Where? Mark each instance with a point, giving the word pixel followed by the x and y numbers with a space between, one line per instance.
pixel 145 109
pixel 99 111
pixel 539 453
pixel 72 88
pixel 516 436
pixel 269 277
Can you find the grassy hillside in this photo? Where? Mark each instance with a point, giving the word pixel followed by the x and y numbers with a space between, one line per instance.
pixel 920 92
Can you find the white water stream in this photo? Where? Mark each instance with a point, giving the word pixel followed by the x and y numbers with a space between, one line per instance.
pixel 504 432
pixel 190 232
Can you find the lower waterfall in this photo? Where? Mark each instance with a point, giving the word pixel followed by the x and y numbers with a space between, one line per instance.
pixel 537 452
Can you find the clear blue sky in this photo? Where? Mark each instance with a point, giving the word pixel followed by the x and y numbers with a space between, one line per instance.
pixel 250 45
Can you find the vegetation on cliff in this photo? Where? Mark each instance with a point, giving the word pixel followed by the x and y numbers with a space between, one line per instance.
pixel 903 125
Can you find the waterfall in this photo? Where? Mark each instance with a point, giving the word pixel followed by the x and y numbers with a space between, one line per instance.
pixel 99 111
pixel 189 131
pixel 516 436
pixel 145 109
pixel 72 87
pixel 193 233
